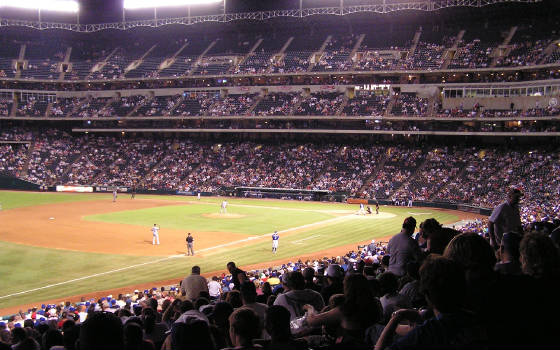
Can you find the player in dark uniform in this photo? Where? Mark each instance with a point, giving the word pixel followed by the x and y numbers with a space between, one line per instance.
pixel 190 248
pixel 376 208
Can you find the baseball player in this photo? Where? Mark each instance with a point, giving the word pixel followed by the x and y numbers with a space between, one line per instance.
pixel 223 208
pixel 155 234
pixel 361 211
pixel 275 238
pixel 114 195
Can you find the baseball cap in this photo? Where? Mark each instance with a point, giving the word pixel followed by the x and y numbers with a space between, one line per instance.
pixel 334 271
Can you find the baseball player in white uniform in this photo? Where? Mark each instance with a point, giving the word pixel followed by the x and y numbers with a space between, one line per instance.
pixel 275 238
pixel 223 208
pixel 155 234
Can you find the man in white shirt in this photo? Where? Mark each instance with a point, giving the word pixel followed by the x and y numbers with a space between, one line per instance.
pixel 214 288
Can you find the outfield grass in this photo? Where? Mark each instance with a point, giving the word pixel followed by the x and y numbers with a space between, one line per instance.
pixel 16 199
pixel 255 220
pixel 26 268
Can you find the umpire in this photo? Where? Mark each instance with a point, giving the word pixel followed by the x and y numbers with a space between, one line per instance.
pixel 190 240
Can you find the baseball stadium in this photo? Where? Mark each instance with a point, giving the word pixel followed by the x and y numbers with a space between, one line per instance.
pixel 334 174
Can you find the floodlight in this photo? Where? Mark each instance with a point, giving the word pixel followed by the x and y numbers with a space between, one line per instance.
pixel 139 4
pixel 46 5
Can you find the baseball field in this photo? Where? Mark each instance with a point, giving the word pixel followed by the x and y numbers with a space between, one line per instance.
pixel 59 246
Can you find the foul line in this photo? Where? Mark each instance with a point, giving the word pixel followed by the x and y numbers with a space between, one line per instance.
pixel 305 239
pixel 90 276
pixel 169 258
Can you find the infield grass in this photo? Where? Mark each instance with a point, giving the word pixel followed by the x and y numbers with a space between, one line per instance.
pixel 26 268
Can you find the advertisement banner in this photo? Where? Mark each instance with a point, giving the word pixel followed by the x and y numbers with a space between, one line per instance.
pixel 81 189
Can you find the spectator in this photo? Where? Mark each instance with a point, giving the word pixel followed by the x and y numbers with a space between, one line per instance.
pixel 443 284
pixel 244 328
pixel 248 296
pixel 277 324
pixel 505 218
pixel 402 249
pixel 194 284
pixel 295 296
pixel 509 254
pixel 359 310
pixel 334 275
pixel 101 331
pixel 308 276
pixel 391 299
pixel 237 275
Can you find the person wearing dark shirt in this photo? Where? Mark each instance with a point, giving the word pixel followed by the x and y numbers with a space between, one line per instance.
pixel 238 276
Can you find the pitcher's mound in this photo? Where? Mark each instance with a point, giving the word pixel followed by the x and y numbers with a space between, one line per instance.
pixel 223 216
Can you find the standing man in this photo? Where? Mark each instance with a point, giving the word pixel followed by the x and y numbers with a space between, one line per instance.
pixel 190 239
pixel 155 234
pixel 193 284
pixel 238 276
pixel 402 248
pixel 133 193
pixel 275 238
pixel 223 209
pixel 376 208
pixel 505 218
pixel 198 195
pixel 114 195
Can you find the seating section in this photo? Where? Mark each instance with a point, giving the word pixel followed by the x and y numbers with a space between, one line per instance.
pixel 410 104
pixel 367 103
pixel 320 104
pixel 277 104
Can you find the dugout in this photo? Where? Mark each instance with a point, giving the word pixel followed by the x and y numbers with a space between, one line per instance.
pixel 282 193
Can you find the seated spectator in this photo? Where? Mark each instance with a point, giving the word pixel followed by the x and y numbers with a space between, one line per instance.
pixel 133 338
pixel 391 299
pixel 443 284
pixel 243 328
pixel 193 334
pixel 219 326
pixel 277 325
pixel 248 296
pixel 359 310
pixel 101 331
pixel 295 296
pixel 332 282
pixel 509 254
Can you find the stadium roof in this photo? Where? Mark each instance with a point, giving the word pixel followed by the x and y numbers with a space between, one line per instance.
pixel 95 15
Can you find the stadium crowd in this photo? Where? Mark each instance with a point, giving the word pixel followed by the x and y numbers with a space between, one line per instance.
pixel 470 175
pixel 432 287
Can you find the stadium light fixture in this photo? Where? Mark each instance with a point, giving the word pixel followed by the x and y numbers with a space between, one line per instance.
pixel 43 5
pixel 140 4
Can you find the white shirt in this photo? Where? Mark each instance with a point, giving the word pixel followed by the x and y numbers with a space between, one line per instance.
pixel 214 288
pixel 155 230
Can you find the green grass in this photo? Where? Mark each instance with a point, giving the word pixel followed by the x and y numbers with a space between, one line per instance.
pixel 26 268
pixel 14 199
pixel 255 220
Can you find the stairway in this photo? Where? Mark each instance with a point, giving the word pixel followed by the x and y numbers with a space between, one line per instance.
pixel 25 170
pixel 137 107
pixel 503 49
pixel 99 66
pixel 370 179
pixel 135 64
pixel 549 50
pixel 66 61
pixel 316 56
pixel 177 104
pixel 168 62
pixel 452 51
pixel 413 177
pixel 390 105
pixel 199 59
pixel 415 41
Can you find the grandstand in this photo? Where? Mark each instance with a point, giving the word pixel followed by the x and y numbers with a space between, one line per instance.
pixel 428 108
